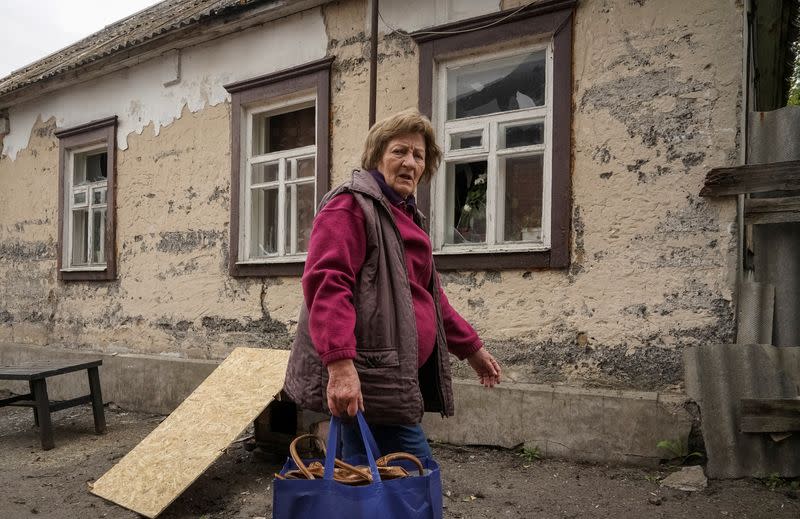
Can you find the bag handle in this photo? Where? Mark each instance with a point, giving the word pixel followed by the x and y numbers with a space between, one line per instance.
pixel 334 432
pixel 366 435
pixel 307 471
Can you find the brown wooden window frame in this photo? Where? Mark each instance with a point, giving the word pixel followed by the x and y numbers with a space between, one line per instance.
pixel 309 76
pixel 75 138
pixel 439 44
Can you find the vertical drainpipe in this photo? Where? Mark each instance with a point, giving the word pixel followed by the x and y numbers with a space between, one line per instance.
pixel 373 62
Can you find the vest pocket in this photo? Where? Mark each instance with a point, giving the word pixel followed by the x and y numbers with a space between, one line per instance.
pixel 385 358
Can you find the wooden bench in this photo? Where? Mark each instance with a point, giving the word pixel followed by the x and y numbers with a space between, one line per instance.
pixel 36 374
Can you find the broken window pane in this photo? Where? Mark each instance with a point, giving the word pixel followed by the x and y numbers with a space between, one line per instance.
pixel 91 166
pixel 466 202
pixel 522 198
pixel 497 85
pixel 80 236
pixel 285 131
pixel 264 222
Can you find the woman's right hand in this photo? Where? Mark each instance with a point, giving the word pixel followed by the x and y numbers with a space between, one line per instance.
pixel 344 388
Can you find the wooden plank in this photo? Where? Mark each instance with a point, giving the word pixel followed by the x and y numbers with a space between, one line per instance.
pixel 184 445
pixel 14 400
pixel 43 369
pixel 771 210
pixel 72 402
pixel 752 178
pixel 60 405
pixel 771 415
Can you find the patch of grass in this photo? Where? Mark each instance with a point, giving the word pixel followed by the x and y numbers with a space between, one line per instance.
pixel 652 478
pixel 530 454
pixel 678 453
pixel 774 481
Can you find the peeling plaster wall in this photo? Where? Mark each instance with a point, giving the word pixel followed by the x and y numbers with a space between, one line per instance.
pixel 137 96
pixel 656 104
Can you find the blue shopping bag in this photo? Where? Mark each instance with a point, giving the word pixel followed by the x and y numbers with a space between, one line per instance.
pixel 413 497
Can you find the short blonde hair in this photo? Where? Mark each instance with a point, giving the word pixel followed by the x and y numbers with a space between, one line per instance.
pixel 401 123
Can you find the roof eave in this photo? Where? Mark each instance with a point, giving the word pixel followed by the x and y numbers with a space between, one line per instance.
pixel 190 35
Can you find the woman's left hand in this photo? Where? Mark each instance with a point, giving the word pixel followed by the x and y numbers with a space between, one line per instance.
pixel 486 367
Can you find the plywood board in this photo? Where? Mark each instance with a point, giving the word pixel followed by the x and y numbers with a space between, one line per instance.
pixel 184 445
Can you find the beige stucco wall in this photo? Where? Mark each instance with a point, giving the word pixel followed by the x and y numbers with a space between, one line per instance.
pixel 656 104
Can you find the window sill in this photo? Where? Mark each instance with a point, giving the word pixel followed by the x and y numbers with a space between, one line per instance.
pixel 287 266
pixel 86 274
pixel 494 260
pixel 280 260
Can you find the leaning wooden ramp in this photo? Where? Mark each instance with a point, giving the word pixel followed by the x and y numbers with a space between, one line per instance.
pixel 183 446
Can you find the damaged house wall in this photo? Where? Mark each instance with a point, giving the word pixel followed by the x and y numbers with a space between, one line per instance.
pixel 656 103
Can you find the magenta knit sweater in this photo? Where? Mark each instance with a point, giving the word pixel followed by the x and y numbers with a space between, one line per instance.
pixel 337 249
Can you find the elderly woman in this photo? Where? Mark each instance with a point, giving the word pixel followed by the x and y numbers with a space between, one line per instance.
pixel 376 326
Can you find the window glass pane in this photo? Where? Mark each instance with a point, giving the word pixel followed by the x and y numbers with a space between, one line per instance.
pixel 99 195
pixel 79 198
pixel 300 205
pixel 302 168
pixel 522 198
pixel 91 166
pixel 98 235
pixel 264 222
pixel 293 129
pixel 80 236
pixel 79 169
pixel 97 167
pixel 468 139
pixel 466 203
pixel 267 172
pixel 497 85
pixel 512 135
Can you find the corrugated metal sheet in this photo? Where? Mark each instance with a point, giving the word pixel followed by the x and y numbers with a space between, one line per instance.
pixel 772 137
pixel 754 313
pixel 718 376
pixel 150 23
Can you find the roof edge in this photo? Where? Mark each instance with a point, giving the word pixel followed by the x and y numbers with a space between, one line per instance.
pixel 186 36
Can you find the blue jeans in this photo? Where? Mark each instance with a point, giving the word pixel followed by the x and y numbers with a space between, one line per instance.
pixel 390 438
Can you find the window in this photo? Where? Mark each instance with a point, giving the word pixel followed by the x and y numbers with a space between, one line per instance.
pixel 86 249
pixel 280 182
pixel 493 119
pixel 279 167
pixel 498 89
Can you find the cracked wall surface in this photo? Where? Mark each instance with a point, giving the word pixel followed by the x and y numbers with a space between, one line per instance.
pixel 656 103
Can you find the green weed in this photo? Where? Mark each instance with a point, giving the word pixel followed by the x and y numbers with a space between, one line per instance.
pixel 651 478
pixel 677 452
pixel 530 454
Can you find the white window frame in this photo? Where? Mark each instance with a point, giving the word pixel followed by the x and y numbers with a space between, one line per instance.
pixel 488 124
pixel 69 202
pixel 283 158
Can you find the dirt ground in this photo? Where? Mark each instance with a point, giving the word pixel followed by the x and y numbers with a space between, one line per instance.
pixel 478 482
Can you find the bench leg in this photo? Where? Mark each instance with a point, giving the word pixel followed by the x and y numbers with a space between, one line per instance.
pixel 43 413
pixel 97 400
pixel 35 415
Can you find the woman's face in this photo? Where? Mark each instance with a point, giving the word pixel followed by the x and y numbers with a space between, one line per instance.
pixel 403 162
